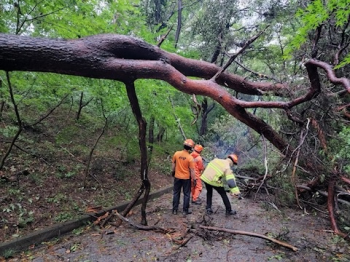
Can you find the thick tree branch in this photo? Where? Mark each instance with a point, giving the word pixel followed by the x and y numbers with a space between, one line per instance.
pixel 345 82
pixel 123 58
pixel 91 57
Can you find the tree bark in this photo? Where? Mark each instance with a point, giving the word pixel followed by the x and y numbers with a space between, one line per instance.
pixel 179 22
pixel 146 185
pixel 205 112
pixel 122 58
pixel 330 205
pixel 150 138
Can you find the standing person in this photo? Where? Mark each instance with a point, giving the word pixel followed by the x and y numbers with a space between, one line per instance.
pixel 183 171
pixel 196 187
pixel 213 175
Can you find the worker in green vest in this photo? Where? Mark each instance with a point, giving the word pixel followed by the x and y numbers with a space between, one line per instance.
pixel 216 171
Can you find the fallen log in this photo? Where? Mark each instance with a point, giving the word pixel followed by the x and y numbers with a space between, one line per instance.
pixel 281 243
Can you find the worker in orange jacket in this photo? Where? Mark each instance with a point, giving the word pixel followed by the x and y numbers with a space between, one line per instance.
pixel 196 187
pixel 183 171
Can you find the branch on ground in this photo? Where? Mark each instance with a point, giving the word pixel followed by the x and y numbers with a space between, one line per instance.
pixel 237 232
pixel 142 227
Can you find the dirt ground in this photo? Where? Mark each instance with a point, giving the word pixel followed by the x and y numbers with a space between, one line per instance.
pixel 309 233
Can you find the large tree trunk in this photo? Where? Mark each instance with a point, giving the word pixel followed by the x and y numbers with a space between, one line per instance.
pixel 121 57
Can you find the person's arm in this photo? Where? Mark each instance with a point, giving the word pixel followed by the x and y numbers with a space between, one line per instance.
pixel 192 169
pixel 200 165
pixel 231 182
pixel 193 173
pixel 173 169
pixel 173 165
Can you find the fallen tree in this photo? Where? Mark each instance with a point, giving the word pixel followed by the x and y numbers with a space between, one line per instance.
pixel 127 59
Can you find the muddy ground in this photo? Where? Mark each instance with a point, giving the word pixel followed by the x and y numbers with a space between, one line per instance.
pixel 308 232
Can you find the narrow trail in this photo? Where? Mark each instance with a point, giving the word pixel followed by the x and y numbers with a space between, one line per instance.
pixel 189 242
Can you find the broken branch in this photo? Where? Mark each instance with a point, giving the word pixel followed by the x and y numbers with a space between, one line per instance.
pixel 237 232
pixel 141 227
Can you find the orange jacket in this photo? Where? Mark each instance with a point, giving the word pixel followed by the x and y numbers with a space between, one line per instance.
pixel 183 163
pixel 199 167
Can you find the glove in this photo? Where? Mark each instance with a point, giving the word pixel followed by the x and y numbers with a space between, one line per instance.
pixel 173 173
pixel 194 182
pixel 239 196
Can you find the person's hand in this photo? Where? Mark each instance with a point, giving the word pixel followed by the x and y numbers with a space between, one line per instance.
pixel 239 196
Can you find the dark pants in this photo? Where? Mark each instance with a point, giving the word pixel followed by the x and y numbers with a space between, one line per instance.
pixel 222 193
pixel 185 184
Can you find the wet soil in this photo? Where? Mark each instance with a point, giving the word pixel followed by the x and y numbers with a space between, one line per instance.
pixel 185 240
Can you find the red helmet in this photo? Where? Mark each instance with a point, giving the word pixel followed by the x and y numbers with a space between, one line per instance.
pixel 234 158
pixel 198 148
pixel 189 142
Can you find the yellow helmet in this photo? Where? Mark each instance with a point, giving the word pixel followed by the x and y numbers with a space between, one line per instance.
pixel 189 142
pixel 234 158
pixel 198 148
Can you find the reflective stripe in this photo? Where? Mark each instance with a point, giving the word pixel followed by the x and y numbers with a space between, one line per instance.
pixel 218 171
pixel 235 190
pixel 230 176
pixel 216 168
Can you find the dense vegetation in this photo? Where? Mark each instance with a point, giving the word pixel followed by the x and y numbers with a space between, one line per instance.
pixel 287 63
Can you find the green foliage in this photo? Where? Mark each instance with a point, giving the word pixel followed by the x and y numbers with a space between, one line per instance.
pixel 8 253
pixel 63 216
pixel 57 199
pixel 313 16
pixel 70 19
pixel 211 23
pixel 24 216
pixel 341 145
pixel 344 62
pixel 284 188
pixel 9 131
pixel 67 134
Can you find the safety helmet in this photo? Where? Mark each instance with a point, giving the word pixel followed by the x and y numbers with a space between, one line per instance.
pixel 234 158
pixel 198 148
pixel 189 143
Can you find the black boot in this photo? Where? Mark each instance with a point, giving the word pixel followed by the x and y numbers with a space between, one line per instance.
pixel 209 211
pixel 230 212
pixel 197 202
pixel 174 211
pixel 187 212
